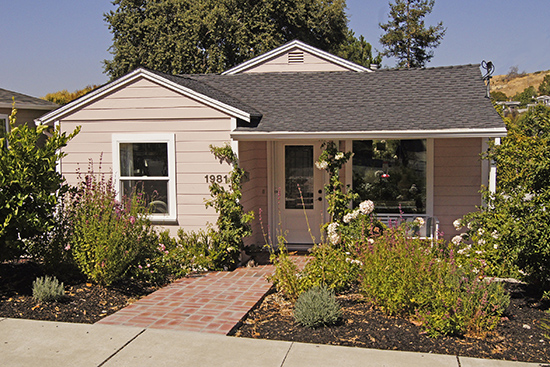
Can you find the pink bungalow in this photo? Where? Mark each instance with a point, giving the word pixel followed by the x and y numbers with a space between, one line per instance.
pixel 416 134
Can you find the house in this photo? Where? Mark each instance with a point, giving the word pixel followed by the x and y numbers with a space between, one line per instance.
pixel 28 108
pixel 416 134
pixel 543 100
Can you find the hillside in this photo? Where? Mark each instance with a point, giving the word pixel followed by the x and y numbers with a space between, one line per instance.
pixel 510 87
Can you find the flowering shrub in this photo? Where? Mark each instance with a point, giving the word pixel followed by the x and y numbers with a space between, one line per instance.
pixel 332 160
pixel 516 218
pixel 405 275
pixel 107 236
pixel 233 223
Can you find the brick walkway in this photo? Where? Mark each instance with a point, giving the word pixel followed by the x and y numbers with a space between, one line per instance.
pixel 212 303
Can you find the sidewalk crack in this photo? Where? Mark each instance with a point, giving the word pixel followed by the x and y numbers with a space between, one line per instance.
pixel 288 351
pixel 121 348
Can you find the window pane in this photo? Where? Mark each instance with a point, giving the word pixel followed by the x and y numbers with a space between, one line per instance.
pixel 3 126
pixel 299 171
pixel 391 173
pixel 144 159
pixel 156 193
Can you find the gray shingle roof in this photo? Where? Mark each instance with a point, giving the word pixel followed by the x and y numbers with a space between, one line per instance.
pixel 24 101
pixel 386 100
pixel 191 82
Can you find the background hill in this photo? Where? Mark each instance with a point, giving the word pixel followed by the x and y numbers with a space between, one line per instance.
pixel 513 83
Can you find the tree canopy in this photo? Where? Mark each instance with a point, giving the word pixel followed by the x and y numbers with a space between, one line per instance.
pixel 63 97
pixel 544 86
pixel 406 37
pixel 209 36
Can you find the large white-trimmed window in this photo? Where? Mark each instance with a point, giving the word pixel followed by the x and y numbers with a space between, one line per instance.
pixel 146 163
pixel 393 174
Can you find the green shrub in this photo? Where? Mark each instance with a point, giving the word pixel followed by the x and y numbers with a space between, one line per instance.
pixel 317 307
pixel 46 289
pixel 407 276
pixel 30 186
pixel 175 257
pixel 108 236
pixel 286 278
pixel 233 222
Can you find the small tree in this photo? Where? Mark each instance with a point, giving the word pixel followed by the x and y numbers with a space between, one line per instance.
pixel 406 37
pixel 30 186
pixel 544 86
pixel 526 97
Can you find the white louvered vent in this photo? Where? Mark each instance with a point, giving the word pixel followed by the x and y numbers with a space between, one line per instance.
pixel 296 57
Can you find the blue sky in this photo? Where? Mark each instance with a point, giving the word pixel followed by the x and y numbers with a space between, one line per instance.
pixel 60 44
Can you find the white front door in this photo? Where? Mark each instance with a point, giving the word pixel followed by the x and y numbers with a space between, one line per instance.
pixel 300 187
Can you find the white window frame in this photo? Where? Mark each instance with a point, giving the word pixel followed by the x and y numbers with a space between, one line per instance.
pixel 167 138
pixel 5 123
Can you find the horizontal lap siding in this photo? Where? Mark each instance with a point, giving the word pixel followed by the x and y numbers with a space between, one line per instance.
pixel 280 64
pixel 253 159
pixel 457 180
pixel 144 107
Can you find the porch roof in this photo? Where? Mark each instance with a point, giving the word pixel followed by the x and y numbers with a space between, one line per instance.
pixel 442 101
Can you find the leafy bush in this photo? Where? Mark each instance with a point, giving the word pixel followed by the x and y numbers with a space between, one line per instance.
pixel 317 307
pixel 286 277
pixel 513 229
pixel 107 236
pixel 407 276
pixel 46 289
pixel 30 186
pixel 233 223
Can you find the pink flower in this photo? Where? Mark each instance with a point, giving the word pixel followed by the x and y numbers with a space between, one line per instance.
pixel 68 247
pixel 132 219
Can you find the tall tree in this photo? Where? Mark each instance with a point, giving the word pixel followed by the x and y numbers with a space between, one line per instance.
pixel 189 36
pixel 406 36
pixel 544 86
pixel 359 51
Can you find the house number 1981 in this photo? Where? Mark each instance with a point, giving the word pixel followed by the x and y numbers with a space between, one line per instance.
pixel 216 178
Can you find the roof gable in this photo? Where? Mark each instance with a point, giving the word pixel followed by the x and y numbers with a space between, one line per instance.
pixel 295 56
pixel 181 84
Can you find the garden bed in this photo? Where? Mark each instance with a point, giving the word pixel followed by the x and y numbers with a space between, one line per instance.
pixel 517 338
pixel 84 302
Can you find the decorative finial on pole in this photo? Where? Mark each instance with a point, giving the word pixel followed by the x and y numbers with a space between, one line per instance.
pixel 490 69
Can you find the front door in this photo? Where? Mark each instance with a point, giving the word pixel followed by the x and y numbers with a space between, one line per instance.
pixel 300 184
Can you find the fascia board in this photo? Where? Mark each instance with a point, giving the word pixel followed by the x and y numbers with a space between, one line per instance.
pixel 388 134
pixel 284 48
pixel 70 107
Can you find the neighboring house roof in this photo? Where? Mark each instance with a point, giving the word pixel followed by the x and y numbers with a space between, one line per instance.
pixel 295 45
pixel 403 102
pixel 24 101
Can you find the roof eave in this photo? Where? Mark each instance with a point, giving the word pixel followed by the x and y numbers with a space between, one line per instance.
pixel 28 106
pixel 388 134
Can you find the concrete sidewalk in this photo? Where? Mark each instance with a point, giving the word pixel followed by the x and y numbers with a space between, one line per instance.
pixel 44 343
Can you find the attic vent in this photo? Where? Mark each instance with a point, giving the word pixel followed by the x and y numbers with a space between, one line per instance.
pixel 296 57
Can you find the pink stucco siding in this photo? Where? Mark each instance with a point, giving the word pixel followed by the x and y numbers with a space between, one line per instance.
pixel 145 107
pixel 457 180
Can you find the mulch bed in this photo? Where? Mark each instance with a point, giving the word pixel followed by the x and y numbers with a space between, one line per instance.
pixel 517 338
pixel 84 302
